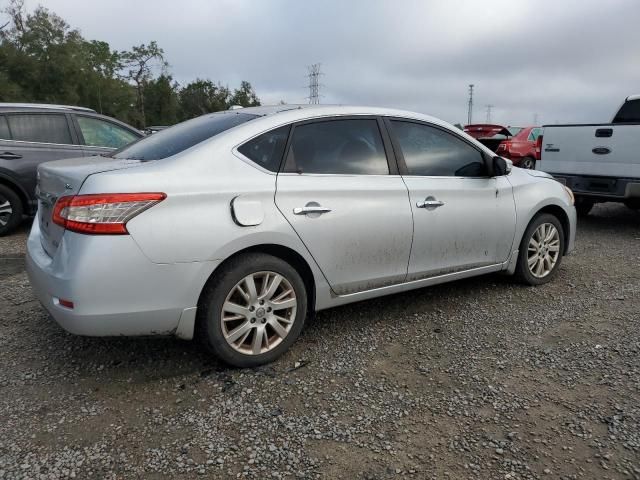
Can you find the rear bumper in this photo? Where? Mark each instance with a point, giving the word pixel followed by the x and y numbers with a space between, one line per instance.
pixel 115 289
pixel 604 188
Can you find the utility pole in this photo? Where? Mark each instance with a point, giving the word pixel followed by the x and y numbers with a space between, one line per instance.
pixel 489 107
pixel 314 84
pixel 535 119
pixel 470 112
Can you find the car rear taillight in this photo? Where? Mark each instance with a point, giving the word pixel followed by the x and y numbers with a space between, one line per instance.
pixel 105 214
pixel 504 146
pixel 539 148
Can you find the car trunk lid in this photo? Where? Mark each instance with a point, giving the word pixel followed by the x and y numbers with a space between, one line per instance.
pixel 488 134
pixel 63 178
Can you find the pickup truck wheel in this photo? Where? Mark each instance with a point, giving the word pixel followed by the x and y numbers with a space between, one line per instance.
pixel 252 310
pixel 583 207
pixel 528 163
pixel 10 210
pixel 633 203
pixel 541 250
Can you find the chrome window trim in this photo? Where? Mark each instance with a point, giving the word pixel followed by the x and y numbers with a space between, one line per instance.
pixel 43 143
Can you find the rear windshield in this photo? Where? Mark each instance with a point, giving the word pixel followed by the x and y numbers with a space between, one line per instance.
pixel 182 136
pixel 629 112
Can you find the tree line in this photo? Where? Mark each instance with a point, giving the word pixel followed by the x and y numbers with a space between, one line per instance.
pixel 44 60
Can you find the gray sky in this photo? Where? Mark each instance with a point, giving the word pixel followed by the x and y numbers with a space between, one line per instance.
pixel 566 60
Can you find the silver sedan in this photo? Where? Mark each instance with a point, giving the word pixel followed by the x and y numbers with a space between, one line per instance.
pixel 235 226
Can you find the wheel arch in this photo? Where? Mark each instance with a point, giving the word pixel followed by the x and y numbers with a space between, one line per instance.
pixel 282 252
pixel 9 182
pixel 558 212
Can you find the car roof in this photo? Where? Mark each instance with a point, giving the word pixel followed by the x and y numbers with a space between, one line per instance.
pixel 302 112
pixel 42 106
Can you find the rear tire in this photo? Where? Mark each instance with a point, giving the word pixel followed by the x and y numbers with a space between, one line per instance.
pixel 633 203
pixel 541 250
pixel 528 162
pixel 11 210
pixel 241 314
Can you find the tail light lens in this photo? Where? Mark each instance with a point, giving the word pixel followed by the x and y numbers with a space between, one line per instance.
pixel 504 146
pixel 539 148
pixel 105 214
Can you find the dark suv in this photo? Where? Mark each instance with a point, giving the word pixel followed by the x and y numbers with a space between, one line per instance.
pixel 31 134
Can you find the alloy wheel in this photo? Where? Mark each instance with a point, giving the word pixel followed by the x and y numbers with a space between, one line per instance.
pixel 5 211
pixel 528 163
pixel 543 250
pixel 258 313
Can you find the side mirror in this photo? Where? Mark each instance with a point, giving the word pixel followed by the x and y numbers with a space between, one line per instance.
pixel 502 166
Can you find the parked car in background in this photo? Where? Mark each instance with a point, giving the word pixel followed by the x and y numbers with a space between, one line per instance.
pixel 491 136
pixel 32 133
pixel 234 226
pixel 521 148
pixel 600 162
pixel 154 129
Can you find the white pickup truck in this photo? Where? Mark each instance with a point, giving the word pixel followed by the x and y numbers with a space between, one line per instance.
pixel 599 162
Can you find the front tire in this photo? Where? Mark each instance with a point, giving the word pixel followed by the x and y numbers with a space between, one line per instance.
pixel 252 310
pixel 583 207
pixel 11 210
pixel 541 250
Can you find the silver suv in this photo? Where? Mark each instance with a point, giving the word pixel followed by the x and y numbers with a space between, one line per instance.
pixel 32 133
pixel 234 226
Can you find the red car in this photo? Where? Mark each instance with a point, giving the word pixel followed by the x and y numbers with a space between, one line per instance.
pixel 521 148
pixel 488 134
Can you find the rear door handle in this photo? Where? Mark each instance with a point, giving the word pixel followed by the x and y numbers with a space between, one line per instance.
pixel 310 209
pixel 430 203
pixel 10 156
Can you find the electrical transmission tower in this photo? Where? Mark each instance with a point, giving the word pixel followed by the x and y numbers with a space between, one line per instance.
pixel 470 113
pixel 489 107
pixel 314 83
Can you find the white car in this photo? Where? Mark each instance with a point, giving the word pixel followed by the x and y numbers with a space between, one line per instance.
pixel 234 226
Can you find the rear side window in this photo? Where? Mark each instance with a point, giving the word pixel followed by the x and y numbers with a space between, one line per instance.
pixel 100 133
pixel 4 128
pixel 180 137
pixel 629 112
pixel 44 128
pixel 535 133
pixel 430 151
pixel 351 147
pixel 267 149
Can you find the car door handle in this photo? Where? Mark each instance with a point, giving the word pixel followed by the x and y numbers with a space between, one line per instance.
pixel 430 202
pixel 604 132
pixel 10 156
pixel 310 209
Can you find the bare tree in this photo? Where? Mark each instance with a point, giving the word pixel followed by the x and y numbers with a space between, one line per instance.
pixel 138 65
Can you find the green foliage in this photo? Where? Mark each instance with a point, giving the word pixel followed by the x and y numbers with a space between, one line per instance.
pixel 42 59
pixel 203 96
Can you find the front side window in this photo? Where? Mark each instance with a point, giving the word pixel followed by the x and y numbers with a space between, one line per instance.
pixel 267 149
pixel 343 147
pixel 44 128
pixel 100 133
pixel 4 129
pixel 430 151
pixel 180 137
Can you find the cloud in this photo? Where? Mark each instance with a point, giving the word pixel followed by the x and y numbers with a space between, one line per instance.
pixel 563 61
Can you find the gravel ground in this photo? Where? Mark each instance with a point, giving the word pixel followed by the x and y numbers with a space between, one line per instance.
pixel 477 379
